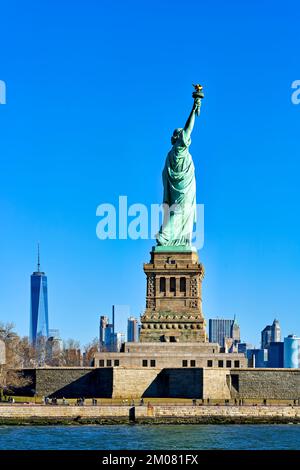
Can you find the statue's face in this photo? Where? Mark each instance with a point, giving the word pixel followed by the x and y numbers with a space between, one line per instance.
pixel 176 134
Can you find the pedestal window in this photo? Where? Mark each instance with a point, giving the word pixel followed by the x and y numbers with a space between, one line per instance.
pixel 172 284
pixel 162 285
pixel 183 284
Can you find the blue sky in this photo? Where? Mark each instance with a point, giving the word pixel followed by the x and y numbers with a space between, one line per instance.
pixel 94 90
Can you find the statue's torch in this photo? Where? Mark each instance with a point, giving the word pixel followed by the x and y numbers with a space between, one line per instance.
pixel 198 95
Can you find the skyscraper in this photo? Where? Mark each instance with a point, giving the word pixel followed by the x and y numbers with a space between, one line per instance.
pixel 266 335
pixel 132 330
pixel 102 329
pixel 106 335
pixel 235 332
pixel 53 350
pixel 221 329
pixel 39 326
pixel 275 332
pixel 257 357
pixel 119 339
pixel 109 340
pixel 292 352
pixel 270 334
pixel 275 354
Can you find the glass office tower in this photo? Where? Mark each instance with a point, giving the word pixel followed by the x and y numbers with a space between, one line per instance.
pixel 132 330
pixel 39 325
pixel 219 329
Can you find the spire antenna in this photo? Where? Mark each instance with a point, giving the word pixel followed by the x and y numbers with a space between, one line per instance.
pixel 38 263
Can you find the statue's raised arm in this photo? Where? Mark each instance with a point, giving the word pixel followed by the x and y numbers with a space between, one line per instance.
pixel 189 125
pixel 197 95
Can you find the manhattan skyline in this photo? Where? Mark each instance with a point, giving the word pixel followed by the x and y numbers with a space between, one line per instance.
pixel 91 101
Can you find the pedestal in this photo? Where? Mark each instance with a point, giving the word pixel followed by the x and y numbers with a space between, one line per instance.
pixel 174 297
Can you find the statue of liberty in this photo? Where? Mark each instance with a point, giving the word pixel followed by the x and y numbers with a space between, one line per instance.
pixel 179 198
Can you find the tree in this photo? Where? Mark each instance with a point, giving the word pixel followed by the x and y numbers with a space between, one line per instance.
pixel 89 351
pixel 28 353
pixel 17 352
pixel 54 352
pixel 71 355
pixel 71 344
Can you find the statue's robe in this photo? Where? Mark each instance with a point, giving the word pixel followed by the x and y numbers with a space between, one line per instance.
pixel 179 195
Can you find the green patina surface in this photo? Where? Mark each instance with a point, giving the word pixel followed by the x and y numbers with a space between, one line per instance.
pixel 171 249
pixel 179 184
